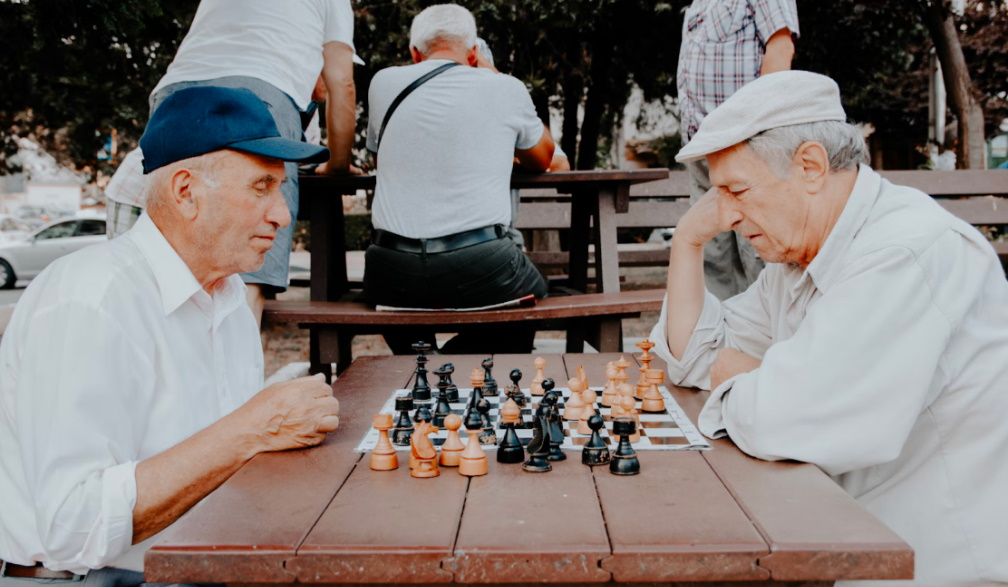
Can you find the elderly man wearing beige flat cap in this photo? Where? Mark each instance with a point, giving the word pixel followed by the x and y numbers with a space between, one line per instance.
pixel 875 342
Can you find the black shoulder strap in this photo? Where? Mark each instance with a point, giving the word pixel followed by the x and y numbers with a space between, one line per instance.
pixel 406 92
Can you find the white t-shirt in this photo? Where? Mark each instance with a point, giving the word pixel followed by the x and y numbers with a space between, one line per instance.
pixel 114 354
pixel 279 42
pixel 445 160
pixel 885 363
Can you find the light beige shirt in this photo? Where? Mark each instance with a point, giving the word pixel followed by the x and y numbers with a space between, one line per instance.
pixel 885 363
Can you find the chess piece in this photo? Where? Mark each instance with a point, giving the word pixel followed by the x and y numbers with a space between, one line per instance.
pixel 652 400
pixel 442 408
pixel 629 404
pixel 451 450
pixel 489 383
pixel 510 449
pixel 595 451
pixel 536 387
pixel 583 377
pixel 574 405
pixel 421 389
pixel 423 413
pixel 554 428
pixel 645 359
pixel 383 457
pixel 586 414
pixel 487 434
pixel 624 460
pixel 514 391
pixel 474 461
pixel 538 448
pixel 404 426
pixel 453 394
pixel 609 395
pixel 423 452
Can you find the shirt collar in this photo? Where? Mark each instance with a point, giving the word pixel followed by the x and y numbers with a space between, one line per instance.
pixel 175 280
pixel 828 263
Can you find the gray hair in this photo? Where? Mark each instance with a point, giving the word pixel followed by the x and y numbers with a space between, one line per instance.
pixel 443 24
pixel 843 142
pixel 157 189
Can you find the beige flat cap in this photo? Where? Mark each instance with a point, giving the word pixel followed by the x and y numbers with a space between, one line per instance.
pixel 777 99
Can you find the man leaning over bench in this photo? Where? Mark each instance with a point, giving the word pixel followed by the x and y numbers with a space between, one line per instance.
pixel 875 342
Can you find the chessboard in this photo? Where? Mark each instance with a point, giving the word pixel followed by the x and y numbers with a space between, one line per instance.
pixel 666 430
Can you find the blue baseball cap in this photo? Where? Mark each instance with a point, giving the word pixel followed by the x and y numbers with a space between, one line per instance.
pixel 202 119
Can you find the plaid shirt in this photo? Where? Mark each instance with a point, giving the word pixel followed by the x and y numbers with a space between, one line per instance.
pixel 722 49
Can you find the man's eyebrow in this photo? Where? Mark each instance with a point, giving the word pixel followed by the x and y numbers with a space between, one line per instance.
pixel 269 179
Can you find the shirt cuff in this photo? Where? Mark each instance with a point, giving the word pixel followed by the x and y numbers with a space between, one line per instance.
pixel 112 534
pixel 711 421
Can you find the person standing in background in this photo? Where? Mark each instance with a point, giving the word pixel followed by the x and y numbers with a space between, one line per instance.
pixel 725 45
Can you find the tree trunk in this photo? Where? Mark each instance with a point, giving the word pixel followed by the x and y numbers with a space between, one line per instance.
pixel 595 103
pixel 958 85
pixel 573 91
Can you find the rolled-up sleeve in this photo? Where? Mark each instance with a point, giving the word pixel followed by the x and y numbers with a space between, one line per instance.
pixel 845 391
pixel 82 407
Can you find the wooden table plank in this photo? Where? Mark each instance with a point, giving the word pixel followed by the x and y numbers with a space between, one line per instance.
pixel 529 527
pixel 251 526
pixel 815 530
pixel 659 533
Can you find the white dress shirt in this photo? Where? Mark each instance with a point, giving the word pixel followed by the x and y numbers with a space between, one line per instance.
pixel 885 363
pixel 114 354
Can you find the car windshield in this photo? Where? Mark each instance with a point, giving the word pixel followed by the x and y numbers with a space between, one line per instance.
pixel 61 230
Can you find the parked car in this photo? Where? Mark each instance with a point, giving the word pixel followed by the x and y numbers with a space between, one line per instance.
pixel 27 257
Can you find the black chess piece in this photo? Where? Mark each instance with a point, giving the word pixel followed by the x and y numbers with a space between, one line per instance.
pixel 423 413
pixel 624 460
pixel 472 419
pixel 510 449
pixel 538 449
pixel 404 426
pixel 487 435
pixel 489 383
pixel 421 389
pixel 442 408
pixel 516 394
pixel 554 425
pixel 453 393
pixel 595 451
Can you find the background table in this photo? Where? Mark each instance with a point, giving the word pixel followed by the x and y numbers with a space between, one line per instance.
pixel 321 515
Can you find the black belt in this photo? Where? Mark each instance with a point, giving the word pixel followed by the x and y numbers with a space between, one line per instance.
pixel 441 244
pixel 36 571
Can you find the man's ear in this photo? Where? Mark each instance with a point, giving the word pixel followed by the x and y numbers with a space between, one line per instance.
pixel 186 202
pixel 472 56
pixel 416 54
pixel 813 161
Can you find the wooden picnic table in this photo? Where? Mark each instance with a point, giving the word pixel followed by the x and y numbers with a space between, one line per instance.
pixel 321 515
pixel 597 196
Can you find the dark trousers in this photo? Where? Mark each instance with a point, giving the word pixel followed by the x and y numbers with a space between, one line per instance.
pixel 488 273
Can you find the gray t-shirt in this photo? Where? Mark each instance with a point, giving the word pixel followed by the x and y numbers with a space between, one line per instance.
pixel 446 156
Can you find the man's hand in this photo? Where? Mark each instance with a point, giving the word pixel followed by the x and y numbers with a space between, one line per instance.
pixel 700 223
pixel 729 363
pixel 325 169
pixel 292 414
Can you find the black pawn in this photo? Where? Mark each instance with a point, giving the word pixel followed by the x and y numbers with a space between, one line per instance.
pixel 421 389
pixel 624 460
pixel 516 392
pixel 453 394
pixel 595 451
pixel 487 435
pixel 472 419
pixel 442 408
pixel 404 426
pixel 539 447
pixel 510 448
pixel 423 413
pixel 489 383
pixel 554 426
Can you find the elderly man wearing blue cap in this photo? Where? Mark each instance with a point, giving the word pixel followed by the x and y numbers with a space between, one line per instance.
pixel 132 370
pixel 875 342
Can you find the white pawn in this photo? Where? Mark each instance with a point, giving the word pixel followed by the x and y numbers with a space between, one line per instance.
pixel 536 387
pixel 574 404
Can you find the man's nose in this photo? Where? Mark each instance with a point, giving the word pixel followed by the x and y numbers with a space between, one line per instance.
pixel 278 213
pixel 728 213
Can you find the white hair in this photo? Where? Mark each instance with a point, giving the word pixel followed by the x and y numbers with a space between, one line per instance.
pixel 443 24
pixel 157 191
pixel 845 146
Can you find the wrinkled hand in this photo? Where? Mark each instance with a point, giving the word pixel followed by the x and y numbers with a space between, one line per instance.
pixel 291 414
pixel 324 169
pixel 729 363
pixel 700 223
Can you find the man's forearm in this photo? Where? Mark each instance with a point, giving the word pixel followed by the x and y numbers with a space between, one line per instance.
pixel 779 53
pixel 341 120
pixel 686 293
pixel 170 483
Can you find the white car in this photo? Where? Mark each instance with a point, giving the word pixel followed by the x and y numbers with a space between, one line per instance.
pixel 27 257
